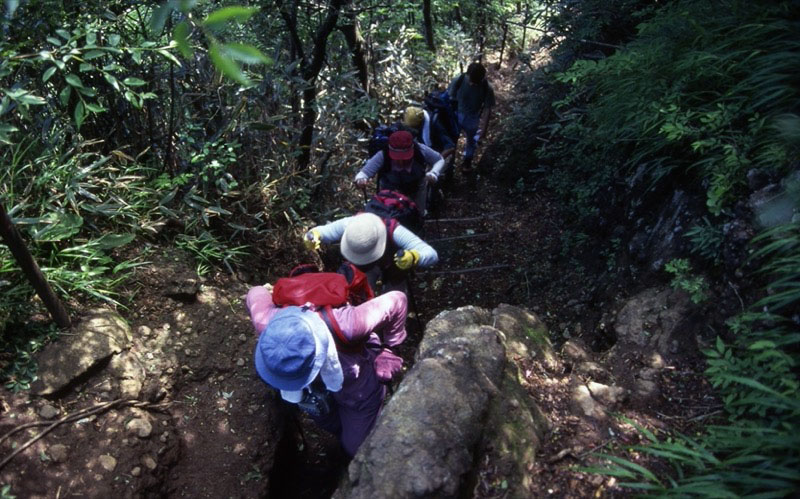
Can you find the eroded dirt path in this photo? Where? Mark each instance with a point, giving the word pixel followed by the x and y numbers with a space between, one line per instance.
pixel 210 435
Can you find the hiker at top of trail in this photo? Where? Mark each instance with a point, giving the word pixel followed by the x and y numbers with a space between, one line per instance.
pixel 429 130
pixel 403 166
pixel 381 248
pixel 474 98
pixel 339 377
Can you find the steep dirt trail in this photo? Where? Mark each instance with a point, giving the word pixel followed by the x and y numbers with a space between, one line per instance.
pixel 212 436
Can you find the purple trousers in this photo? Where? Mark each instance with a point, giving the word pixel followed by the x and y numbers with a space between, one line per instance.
pixel 381 322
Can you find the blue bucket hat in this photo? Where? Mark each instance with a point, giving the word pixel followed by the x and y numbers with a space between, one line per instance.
pixel 291 349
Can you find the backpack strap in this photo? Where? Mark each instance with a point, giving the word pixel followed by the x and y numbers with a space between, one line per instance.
pixel 418 156
pixel 342 343
pixel 459 82
pixel 387 163
pixel 484 89
pixel 303 268
pixel 391 225
pixel 386 167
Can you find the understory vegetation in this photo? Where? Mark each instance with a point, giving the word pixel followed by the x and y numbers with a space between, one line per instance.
pixel 226 130
pixel 701 98
pixel 223 130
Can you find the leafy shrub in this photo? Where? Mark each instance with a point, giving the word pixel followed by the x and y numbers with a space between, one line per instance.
pixel 695 101
pixel 694 98
pixel 707 240
pixel 683 279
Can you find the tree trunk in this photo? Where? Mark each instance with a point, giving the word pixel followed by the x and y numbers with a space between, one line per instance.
pixel 309 119
pixel 428 20
pixel 26 262
pixel 482 27
pixel 357 46
pixel 310 66
pixel 525 26
pixel 503 45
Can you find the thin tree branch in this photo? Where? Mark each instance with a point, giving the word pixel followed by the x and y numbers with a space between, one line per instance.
pixel 454 238
pixel 66 419
pixel 463 271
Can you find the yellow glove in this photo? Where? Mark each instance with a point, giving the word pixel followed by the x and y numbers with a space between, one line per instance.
pixel 405 259
pixel 312 240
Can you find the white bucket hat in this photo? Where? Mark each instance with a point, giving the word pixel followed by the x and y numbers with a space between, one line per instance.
pixel 364 239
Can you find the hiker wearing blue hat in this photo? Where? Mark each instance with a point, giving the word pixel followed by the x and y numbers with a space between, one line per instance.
pixel 339 383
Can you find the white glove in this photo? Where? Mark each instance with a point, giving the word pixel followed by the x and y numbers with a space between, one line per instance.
pixel 431 177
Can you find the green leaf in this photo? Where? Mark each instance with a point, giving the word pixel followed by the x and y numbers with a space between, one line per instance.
pixel 134 82
pixel 133 99
pixel 5 130
pixel 169 197
pixel 226 65
pixel 111 80
pixel 246 53
pixel 85 66
pixel 79 114
pixel 762 345
pixel 47 74
pixel 225 14
pixel 113 39
pixel 88 92
pixel 64 95
pixel 217 210
pixel 58 226
pixel 93 54
pixel 181 37
pixel 109 241
pixel 27 99
pixel 94 108
pixel 63 34
pixel 160 15
pixel 91 38
pixel 54 40
pixel 73 80
pixel 171 58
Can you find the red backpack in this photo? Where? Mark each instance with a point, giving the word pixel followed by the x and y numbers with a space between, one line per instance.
pixel 325 290
pixel 394 207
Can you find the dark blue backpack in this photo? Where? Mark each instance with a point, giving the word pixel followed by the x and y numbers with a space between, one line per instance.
pixel 379 140
pixel 442 109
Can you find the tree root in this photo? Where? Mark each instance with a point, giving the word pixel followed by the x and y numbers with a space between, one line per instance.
pixel 68 419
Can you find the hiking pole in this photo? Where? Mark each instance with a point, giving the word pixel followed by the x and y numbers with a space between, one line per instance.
pixel 364 191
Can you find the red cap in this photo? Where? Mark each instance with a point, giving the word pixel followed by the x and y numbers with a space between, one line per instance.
pixel 401 146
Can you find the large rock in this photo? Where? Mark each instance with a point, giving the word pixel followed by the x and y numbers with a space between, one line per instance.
pixel 657 320
pixel 516 426
pixel 92 341
pixel 656 244
pixel 777 204
pixel 460 400
pixel 652 328
pixel 424 441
